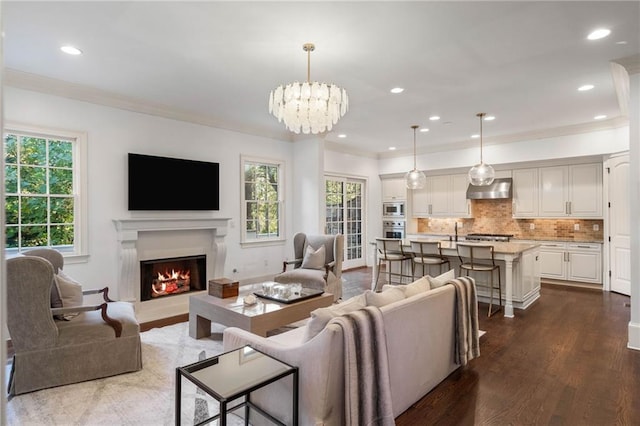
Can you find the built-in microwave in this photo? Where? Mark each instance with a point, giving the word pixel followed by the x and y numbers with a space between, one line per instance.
pixel 393 209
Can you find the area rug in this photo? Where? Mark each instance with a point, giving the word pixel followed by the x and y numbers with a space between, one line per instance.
pixel 146 397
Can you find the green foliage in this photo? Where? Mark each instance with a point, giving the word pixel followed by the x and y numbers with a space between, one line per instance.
pixel 39 188
pixel 262 199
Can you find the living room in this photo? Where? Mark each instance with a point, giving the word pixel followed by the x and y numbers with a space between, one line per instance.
pixel 115 125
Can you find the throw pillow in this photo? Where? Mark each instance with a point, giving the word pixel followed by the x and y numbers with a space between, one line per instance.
pixel 380 299
pixel 313 259
pixel 321 316
pixel 418 286
pixel 440 280
pixel 70 291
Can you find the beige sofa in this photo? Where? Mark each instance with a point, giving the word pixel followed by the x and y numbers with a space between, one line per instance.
pixel 420 347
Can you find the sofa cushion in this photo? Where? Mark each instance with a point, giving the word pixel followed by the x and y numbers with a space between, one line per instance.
pixel 321 316
pixel 440 280
pixel 418 286
pixel 380 299
pixel 313 259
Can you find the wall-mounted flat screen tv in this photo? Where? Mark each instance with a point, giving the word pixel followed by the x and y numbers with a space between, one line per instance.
pixel 161 183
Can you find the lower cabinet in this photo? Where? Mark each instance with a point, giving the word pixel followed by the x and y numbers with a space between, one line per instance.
pixel 581 262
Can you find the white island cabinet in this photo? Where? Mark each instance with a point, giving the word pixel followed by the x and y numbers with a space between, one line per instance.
pixel 519 272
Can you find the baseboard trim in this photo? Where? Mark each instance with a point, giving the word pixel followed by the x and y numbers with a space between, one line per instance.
pixel 634 336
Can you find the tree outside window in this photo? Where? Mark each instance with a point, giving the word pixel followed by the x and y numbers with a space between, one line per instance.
pixel 262 200
pixel 40 203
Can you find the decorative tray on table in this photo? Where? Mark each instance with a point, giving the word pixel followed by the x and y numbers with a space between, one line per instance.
pixel 286 293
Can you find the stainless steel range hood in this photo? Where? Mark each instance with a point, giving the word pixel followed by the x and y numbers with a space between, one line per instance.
pixel 499 188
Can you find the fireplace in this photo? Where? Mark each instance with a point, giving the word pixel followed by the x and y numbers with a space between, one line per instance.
pixel 142 239
pixel 172 276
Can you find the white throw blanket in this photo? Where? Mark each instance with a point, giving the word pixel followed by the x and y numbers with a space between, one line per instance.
pixel 367 387
pixel 467 338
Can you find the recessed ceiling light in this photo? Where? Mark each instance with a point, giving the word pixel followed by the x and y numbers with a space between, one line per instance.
pixel 585 87
pixel 490 118
pixel 342 136
pixel 599 33
pixel 397 90
pixel 621 42
pixel 476 136
pixel 392 148
pixel 600 117
pixel 71 50
pixel 434 118
pixel 424 130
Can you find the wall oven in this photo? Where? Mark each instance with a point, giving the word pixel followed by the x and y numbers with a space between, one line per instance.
pixel 393 209
pixel 393 228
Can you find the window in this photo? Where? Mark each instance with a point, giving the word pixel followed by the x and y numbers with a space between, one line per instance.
pixel 44 182
pixel 262 192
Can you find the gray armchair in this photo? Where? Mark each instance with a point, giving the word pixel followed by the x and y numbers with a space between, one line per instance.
pixel 102 340
pixel 328 276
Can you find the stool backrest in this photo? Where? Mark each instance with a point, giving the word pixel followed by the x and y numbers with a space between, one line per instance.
pixel 476 253
pixel 389 245
pixel 426 249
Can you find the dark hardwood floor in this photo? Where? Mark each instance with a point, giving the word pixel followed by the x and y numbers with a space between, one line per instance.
pixel 563 361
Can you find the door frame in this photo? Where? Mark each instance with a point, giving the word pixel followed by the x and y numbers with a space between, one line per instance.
pixel 365 216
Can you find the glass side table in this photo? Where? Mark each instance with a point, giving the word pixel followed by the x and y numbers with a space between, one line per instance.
pixel 233 375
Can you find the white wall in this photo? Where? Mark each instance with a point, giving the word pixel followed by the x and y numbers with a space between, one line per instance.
pixel 112 133
pixel 361 168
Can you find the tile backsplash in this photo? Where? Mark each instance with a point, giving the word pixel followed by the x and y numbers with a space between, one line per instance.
pixel 495 217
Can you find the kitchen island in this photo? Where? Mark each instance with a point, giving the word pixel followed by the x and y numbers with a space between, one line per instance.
pixel 519 271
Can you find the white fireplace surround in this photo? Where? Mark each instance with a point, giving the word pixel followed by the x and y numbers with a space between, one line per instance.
pixel 156 238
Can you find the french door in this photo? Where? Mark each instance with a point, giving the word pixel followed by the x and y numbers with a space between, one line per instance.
pixel 345 215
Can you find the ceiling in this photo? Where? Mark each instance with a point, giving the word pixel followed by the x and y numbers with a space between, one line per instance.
pixel 216 62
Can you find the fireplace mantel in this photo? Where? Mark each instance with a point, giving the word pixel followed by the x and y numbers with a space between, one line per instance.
pixel 131 234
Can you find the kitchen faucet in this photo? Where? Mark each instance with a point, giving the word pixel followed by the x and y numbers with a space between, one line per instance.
pixel 456 230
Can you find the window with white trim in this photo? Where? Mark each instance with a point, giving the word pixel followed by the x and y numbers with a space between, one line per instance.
pixel 262 198
pixel 45 183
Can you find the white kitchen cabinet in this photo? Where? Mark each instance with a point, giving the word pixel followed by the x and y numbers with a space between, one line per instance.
pixel 584 263
pixel 553 261
pixel 581 262
pixel 442 196
pixel 525 193
pixel 570 191
pixel 394 189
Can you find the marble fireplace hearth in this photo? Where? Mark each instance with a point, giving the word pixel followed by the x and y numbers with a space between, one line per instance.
pixel 142 239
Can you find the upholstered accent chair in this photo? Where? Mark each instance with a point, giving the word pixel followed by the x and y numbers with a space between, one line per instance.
pixel 53 349
pixel 317 263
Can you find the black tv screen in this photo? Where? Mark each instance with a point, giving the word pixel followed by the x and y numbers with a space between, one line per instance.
pixel 161 183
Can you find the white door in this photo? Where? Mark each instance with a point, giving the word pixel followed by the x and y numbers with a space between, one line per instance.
pixel 525 193
pixel 553 262
pixel 345 215
pixel 619 224
pixel 585 186
pixel 439 190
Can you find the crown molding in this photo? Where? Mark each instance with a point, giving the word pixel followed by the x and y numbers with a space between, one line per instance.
pixel 630 63
pixel 51 86
pixel 574 129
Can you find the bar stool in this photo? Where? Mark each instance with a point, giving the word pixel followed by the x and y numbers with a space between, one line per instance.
pixel 390 250
pixel 426 254
pixel 480 258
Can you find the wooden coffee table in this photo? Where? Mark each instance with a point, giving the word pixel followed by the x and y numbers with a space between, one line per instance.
pixel 258 319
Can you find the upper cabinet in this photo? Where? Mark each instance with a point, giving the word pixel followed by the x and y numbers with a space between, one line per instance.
pixel 559 191
pixel 442 196
pixel 525 193
pixel 394 189
pixel 571 191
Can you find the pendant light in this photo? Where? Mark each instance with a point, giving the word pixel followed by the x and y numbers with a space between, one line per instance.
pixel 481 174
pixel 415 179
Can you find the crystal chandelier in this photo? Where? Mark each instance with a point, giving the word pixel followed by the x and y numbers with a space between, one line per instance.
pixel 415 179
pixel 481 174
pixel 308 107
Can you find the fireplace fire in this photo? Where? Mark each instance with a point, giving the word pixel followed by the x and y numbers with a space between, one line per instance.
pixel 167 277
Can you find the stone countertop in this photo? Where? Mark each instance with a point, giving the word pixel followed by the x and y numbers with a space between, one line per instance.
pixel 443 237
pixel 499 247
